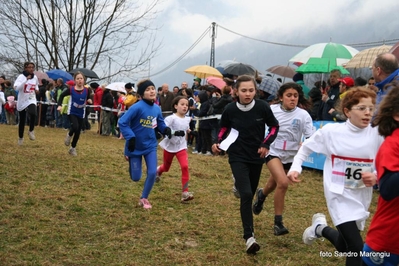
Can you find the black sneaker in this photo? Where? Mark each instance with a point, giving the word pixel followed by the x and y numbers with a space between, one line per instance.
pixel 259 200
pixel 280 230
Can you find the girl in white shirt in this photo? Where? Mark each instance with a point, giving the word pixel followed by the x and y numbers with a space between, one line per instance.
pixel 27 85
pixel 177 144
pixel 348 174
pixel 294 122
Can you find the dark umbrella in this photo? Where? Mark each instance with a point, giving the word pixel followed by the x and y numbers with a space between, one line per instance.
pixel 87 72
pixel 238 69
pixel 58 73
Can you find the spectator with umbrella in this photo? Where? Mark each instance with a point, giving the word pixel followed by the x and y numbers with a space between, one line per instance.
pixel 298 78
pixel 385 70
pixel 267 87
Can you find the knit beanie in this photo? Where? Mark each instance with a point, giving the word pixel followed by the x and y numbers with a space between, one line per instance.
pixel 143 86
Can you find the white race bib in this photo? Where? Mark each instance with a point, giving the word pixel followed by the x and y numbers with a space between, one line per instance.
pixel 347 173
pixel 154 122
pixel 286 145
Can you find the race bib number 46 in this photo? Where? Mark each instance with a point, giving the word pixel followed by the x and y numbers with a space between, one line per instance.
pixel 347 173
pixel 353 174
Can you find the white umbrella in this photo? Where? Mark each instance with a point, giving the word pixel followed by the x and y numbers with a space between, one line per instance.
pixel 117 86
pixel 337 54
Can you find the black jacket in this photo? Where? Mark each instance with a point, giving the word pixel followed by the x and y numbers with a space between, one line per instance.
pixel 107 100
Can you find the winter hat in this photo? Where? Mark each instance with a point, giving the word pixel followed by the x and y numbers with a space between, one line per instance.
pixel 94 85
pixel 71 83
pixel 143 86
pixel 347 81
pixel 197 79
pixel 297 77
pixel 129 86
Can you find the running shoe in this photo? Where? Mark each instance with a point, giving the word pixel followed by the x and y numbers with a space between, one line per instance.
pixel 31 135
pixel 186 196
pixel 309 235
pixel 68 140
pixel 235 192
pixel 73 152
pixel 279 229
pixel 259 200
pixel 252 245
pixel 157 175
pixel 145 204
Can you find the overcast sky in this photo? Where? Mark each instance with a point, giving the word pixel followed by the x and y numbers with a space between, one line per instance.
pixel 284 21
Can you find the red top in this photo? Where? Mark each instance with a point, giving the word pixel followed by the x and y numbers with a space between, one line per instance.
pixel 383 234
pixel 98 95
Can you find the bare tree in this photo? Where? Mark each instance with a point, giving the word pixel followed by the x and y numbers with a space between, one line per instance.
pixel 113 36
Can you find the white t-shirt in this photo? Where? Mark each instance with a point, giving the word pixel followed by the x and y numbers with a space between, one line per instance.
pixel 292 125
pixel 176 144
pixel 26 91
pixel 349 150
pixel 2 101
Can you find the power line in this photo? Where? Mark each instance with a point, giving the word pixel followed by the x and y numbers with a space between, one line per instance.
pixel 185 53
pixel 364 44
pixel 259 40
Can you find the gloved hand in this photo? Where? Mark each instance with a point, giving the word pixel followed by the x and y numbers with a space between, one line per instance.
pixel 132 144
pixel 158 134
pixel 168 132
pixel 180 133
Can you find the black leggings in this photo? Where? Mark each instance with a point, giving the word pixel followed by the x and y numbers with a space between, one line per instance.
pixel 76 127
pixel 346 239
pixel 246 177
pixel 31 111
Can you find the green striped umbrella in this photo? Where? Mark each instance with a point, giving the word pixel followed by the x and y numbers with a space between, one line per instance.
pixel 337 54
pixel 320 65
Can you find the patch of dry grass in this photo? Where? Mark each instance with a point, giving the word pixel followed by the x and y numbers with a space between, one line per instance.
pixel 61 210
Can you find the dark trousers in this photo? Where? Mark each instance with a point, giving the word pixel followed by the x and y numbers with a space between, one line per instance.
pixel 76 127
pixel 246 181
pixel 30 113
pixel 346 238
pixel 206 135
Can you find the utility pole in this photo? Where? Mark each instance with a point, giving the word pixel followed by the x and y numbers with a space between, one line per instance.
pixel 212 61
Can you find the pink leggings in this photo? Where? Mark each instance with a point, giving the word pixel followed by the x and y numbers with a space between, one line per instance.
pixel 183 161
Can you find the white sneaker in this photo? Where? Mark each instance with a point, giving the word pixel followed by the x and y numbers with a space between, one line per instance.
pixel 235 192
pixel 194 152
pixel 208 153
pixel 68 140
pixel 252 246
pixel 157 176
pixel 309 235
pixel 186 196
pixel 31 135
pixel 73 152
pixel 20 141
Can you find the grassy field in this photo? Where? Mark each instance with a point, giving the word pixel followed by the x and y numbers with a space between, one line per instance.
pixel 56 209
